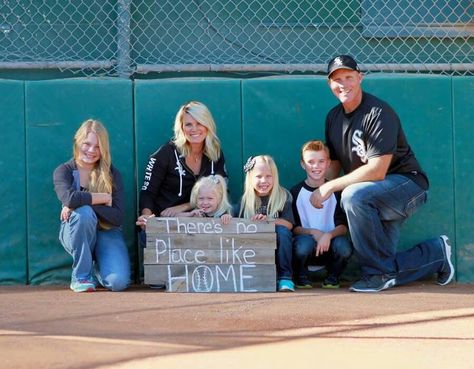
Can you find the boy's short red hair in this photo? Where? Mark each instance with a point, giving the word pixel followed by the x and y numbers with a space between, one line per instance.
pixel 314 145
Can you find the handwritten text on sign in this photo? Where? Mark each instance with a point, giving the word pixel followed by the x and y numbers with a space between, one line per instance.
pixel 227 254
pixel 177 225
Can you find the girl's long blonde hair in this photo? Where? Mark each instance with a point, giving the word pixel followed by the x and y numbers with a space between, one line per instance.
pixel 100 179
pixel 218 184
pixel 200 112
pixel 251 201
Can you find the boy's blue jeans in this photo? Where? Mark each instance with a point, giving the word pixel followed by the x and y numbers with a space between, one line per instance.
pixel 335 259
pixel 86 244
pixel 375 212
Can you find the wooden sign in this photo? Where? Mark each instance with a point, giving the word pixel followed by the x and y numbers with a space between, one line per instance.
pixel 204 255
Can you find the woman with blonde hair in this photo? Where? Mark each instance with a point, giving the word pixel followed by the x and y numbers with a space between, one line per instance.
pixel 264 199
pixel 91 192
pixel 172 171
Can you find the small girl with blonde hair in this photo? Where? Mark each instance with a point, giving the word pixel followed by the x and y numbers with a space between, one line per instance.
pixel 265 199
pixel 209 199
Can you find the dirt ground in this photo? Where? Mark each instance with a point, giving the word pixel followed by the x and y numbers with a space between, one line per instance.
pixel 417 326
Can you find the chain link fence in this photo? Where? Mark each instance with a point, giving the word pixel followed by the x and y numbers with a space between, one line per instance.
pixel 129 37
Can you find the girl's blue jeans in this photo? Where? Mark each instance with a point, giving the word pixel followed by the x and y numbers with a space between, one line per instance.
pixel 86 244
pixel 284 252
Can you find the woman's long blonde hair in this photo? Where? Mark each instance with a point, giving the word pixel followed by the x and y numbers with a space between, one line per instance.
pixel 218 184
pixel 100 178
pixel 251 201
pixel 200 112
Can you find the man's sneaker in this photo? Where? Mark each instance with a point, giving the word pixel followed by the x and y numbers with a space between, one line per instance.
pixel 373 283
pixel 446 274
pixel 285 285
pixel 330 282
pixel 82 285
pixel 304 283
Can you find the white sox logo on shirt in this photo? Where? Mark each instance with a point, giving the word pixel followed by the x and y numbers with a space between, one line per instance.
pixel 359 145
pixel 372 116
pixel 357 140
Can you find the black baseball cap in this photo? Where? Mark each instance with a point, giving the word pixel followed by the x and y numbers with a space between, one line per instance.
pixel 342 62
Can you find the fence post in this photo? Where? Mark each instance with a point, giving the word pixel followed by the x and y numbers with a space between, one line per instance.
pixel 123 39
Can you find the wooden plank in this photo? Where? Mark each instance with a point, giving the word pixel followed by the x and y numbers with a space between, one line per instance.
pixel 205 241
pixel 228 255
pixel 207 226
pixel 213 278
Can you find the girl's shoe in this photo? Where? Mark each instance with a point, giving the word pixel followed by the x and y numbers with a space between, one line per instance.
pixel 82 285
pixel 286 285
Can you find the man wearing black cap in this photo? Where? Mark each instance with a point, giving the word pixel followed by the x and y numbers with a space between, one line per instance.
pixel 383 184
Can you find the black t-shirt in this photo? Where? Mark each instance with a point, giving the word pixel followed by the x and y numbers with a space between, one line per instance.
pixel 285 213
pixel 372 130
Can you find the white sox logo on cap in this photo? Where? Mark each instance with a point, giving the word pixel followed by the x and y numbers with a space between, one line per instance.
pixel 338 61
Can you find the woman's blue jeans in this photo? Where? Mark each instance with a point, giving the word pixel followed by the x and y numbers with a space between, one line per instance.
pixel 86 244
pixel 335 259
pixel 375 212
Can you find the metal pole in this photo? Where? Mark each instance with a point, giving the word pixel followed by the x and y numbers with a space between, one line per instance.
pixel 146 68
pixel 124 69
pixel 58 65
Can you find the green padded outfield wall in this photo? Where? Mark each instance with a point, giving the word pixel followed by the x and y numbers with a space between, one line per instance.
pixel 156 105
pixel 279 115
pixel 272 115
pixel 54 111
pixel 463 113
pixel 13 221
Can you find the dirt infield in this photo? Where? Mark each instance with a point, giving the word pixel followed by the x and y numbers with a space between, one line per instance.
pixel 417 326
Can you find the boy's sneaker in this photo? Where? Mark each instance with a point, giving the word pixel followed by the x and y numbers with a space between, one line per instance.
pixel 373 283
pixel 304 283
pixel 82 285
pixel 330 282
pixel 446 274
pixel 286 285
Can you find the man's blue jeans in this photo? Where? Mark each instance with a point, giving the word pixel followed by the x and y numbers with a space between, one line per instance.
pixel 86 244
pixel 335 259
pixel 375 212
